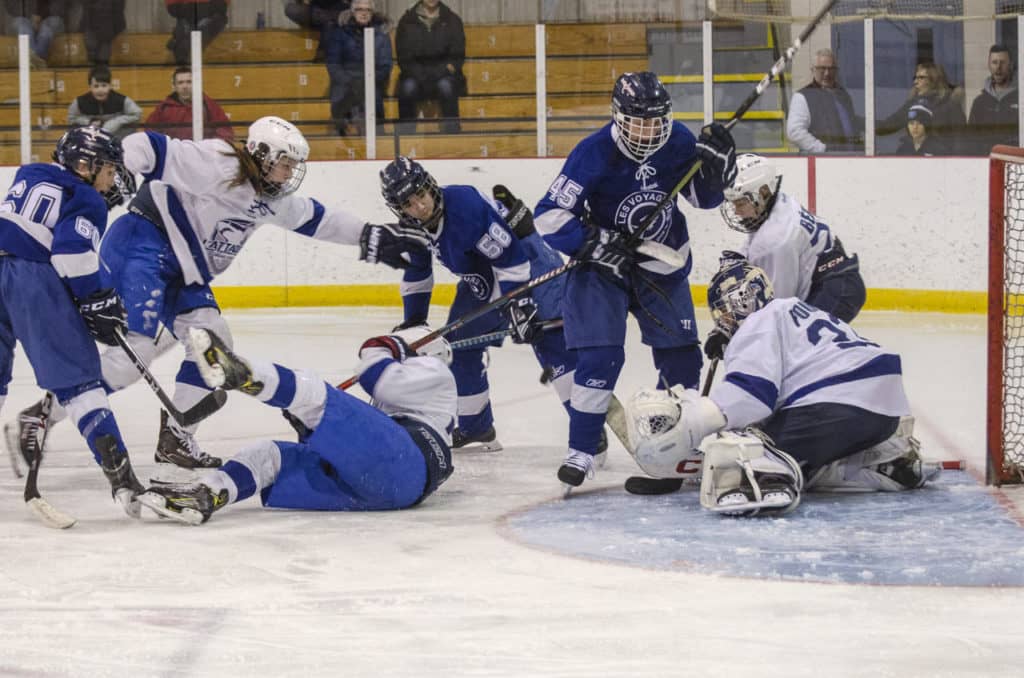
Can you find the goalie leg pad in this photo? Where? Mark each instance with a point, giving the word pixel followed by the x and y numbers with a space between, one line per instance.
pixel 744 474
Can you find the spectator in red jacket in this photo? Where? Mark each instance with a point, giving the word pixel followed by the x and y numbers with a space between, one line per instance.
pixel 173 115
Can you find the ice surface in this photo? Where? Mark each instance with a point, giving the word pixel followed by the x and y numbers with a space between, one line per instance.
pixel 461 586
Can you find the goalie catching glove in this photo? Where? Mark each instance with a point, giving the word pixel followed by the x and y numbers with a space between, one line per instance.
pixel 392 244
pixel 104 315
pixel 667 427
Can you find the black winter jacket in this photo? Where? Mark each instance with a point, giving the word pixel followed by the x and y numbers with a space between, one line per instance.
pixel 425 54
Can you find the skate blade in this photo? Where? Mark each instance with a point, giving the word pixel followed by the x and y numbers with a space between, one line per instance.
pixel 158 504
pixel 492 446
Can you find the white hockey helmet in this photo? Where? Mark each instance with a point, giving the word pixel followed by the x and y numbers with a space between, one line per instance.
pixel 272 139
pixel 437 347
pixel 758 181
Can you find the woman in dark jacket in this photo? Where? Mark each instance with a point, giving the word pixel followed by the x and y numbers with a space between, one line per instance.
pixel 431 46
pixel 345 64
pixel 932 90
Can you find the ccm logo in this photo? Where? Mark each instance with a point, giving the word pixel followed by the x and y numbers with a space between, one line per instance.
pixel 689 466
pixel 596 383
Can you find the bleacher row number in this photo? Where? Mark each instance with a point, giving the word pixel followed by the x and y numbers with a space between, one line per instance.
pixel 303 79
pixel 237 45
pixel 485 76
pixel 492 40
pixel 238 81
pixel 126 47
pixel 309 43
pixel 56 85
pixel 295 115
pixel 44 121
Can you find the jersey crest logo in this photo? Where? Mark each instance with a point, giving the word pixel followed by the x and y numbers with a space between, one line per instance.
pixel 637 206
pixel 477 284
pixel 644 173
pixel 228 237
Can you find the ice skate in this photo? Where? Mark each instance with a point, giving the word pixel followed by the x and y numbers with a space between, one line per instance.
pixel 192 504
pixel 179 447
pixel 485 441
pixel 117 467
pixel 24 436
pixel 219 367
pixel 910 470
pixel 577 467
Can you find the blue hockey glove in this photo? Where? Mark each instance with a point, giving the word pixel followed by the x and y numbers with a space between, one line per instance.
pixel 716 148
pixel 104 315
pixel 522 320
pixel 607 249
pixel 519 218
pixel 392 244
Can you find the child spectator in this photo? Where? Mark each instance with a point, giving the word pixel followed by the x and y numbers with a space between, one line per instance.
pixel 40 20
pixel 102 107
pixel 918 141
pixel 344 45
pixel 208 16
pixel 945 102
pixel 173 115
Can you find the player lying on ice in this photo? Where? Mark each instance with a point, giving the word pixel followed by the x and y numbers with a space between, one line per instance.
pixel 804 397
pixel 351 456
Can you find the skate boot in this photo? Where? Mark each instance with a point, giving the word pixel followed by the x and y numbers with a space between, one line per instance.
pixel 25 435
pixel 577 467
pixel 485 441
pixel 179 447
pixel 191 503
pixel 220 367
pixel 117 467
pixel 910 470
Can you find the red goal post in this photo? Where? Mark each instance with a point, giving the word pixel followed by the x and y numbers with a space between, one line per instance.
pixel 1005 397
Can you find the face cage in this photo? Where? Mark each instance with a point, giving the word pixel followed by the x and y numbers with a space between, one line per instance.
pixel 430 223
pixel 733 306
pixel 751 224
pixel 641 149
pixel 123 189
pixel 273 189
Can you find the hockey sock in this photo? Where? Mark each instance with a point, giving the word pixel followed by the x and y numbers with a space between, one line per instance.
pixel 678 365
pixel 91 413
pixel 474 405
pixel 597 370
pixel 255 467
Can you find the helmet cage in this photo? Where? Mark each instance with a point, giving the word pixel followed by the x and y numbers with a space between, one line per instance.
pixel 755 174
pixel 735 293
pixel 641 114
pixel 89 149
pixel 400 181
pixel 266 160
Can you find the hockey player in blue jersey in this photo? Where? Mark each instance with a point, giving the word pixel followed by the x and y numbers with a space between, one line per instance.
pixel 828 405
pixel 800 254
pixel 351 456
pixel 470 237
pixel 199 205
pixel 52 299
pixel 608 185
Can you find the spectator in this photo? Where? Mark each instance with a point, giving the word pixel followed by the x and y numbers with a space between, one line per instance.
pixel 40 20
pixel 173 115
pixel 918 141
pixel 932 89
pixel 431 45
pixel 102 21
pixel 994 112
pixel 208 16
pixel 320 15
pixel 344 45
pixel 104 108
pixel 821 115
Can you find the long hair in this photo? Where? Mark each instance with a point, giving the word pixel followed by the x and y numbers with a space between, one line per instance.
pixel 248 170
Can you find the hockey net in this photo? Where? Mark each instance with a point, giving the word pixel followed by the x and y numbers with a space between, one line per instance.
pixel 1006 316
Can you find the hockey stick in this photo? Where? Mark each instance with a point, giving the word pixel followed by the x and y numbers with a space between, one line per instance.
pixel 46 512
pixel 500 334
pixel 195 414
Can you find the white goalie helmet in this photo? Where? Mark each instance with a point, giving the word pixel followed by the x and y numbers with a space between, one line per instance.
pixel 280 152
pixel 757 180
pixel 437 347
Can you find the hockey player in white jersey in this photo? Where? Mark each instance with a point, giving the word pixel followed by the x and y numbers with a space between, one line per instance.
pixel 199 205
pixel 52 298
pixel 800 254
pixel 351 456
pixel 828 406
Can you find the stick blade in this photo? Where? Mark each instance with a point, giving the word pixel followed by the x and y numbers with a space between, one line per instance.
pixel 48 515
pixel 648 486
pixel 203 409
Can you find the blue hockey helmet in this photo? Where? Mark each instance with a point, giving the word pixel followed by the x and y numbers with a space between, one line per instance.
pixel 403 179
pixel 642 114
pixel 85 150
pixel 735 292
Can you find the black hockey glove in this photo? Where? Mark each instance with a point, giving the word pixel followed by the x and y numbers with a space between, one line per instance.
pixel 104 315
pixel 730 258
pixel 716 148
pixel 392 244
pixel 714 345
pixel 522 320
pixel 519 218
pixel 608 250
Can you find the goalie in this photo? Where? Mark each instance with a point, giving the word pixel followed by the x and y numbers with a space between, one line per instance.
pixel 827 404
